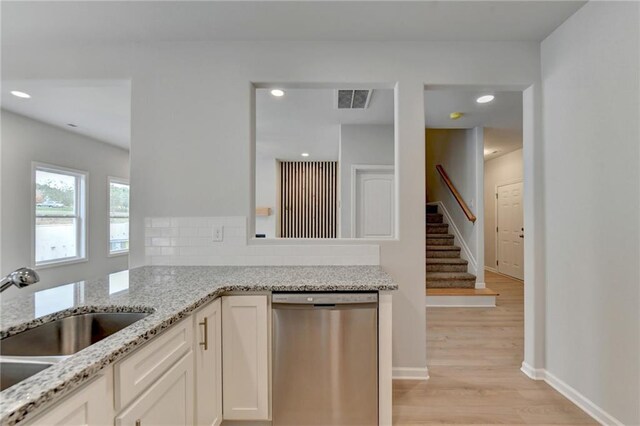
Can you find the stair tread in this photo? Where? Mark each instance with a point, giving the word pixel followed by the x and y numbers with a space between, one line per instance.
pixel 446 261
pixel 443 248
pixel 453 276
pixel 439 236
pixel 437 225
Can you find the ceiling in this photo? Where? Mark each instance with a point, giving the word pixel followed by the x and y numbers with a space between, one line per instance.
pixel 501 118
pixel 101 109
pixel 306 120
pixel 152 21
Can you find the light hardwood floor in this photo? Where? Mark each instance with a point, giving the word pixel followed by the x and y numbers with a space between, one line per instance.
pixel 474 357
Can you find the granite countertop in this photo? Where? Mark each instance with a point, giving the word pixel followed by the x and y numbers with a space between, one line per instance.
pixel 170 292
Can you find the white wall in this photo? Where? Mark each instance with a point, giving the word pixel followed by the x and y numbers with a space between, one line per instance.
pixel 25 140
pixel 361 144
pixel 507 168
pixel 456 150
pixel 191 149
pixel 591 92
pixel 266 194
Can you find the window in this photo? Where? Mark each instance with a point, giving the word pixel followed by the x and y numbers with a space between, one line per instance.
pixel 60 211
pixel 118 216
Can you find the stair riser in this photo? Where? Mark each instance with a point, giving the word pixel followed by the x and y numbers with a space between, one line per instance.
pixel 440 241
pixel 446 268
pixel 443 229
pixel 451 284
pixel 443 254
pixel 431 209
pixel 434 218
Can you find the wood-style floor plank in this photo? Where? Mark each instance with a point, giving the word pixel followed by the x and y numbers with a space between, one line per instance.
pixel 474 358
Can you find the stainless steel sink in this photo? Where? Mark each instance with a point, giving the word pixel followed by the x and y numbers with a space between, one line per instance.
pixel 67 336
pixel 14 372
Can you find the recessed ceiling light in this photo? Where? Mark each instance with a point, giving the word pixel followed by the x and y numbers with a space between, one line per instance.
pixel 72 125
pixel 278 93
pixel 20 94
pixel 484 99
pixel 305 154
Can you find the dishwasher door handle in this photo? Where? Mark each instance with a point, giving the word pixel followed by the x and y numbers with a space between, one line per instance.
pixel 322 306
pixel 324 298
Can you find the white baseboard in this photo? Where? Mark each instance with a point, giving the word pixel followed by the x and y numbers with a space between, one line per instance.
pixel 490 269
pixel 581 401
pixel 532 373
pixel 481 285
pixel 460 301
pixel 584 403
pixel 401 373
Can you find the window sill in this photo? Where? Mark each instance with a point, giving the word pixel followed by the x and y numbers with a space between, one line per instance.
pixel 53 264
pixel 118 253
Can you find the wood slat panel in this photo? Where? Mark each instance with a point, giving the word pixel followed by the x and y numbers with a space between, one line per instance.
pixel 308 197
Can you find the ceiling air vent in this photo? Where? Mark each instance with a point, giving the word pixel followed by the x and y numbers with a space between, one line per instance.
pixel 354 99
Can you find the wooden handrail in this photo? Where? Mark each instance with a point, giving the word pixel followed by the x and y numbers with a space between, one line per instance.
pixel 456 194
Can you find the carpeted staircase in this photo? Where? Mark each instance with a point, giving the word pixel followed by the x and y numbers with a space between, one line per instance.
pixel 445 268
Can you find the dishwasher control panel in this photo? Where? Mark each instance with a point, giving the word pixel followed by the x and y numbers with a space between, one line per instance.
pixel 324 298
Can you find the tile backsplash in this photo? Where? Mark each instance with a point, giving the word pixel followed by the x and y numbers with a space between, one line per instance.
pixel 190 241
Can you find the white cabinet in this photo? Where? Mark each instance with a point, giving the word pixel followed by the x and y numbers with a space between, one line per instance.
pixel 168 401
pixel 245 357
pixel 208 361
pixel 87 406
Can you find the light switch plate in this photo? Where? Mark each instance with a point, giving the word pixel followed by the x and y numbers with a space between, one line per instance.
pixel 218 233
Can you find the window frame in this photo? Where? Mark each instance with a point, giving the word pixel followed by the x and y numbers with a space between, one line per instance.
pixel 81 215
pixel 121 181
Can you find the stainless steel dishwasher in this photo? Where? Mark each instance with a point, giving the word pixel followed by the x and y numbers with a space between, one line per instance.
pixel 325 359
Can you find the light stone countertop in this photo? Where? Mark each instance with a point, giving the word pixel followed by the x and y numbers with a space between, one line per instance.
pixel 170 292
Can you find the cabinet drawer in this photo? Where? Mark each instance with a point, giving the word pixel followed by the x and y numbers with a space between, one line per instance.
pixel 169 401
pixel 138 371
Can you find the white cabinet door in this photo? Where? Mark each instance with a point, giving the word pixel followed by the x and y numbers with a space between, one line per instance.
pixel 169 401
pixel 245 357
pixel 87 406
pixel 208 357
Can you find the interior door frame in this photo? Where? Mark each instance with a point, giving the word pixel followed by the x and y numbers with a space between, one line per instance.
pixel 355 168
pixel 495 201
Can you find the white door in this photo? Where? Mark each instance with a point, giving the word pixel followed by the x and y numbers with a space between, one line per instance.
pixel 510 230
pixel 208 357
pixel 374 204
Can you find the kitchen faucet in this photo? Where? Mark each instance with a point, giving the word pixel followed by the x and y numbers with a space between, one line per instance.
pixel 20 278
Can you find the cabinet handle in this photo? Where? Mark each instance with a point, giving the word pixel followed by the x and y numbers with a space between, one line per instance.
pixel 138 422
pixel 206 334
